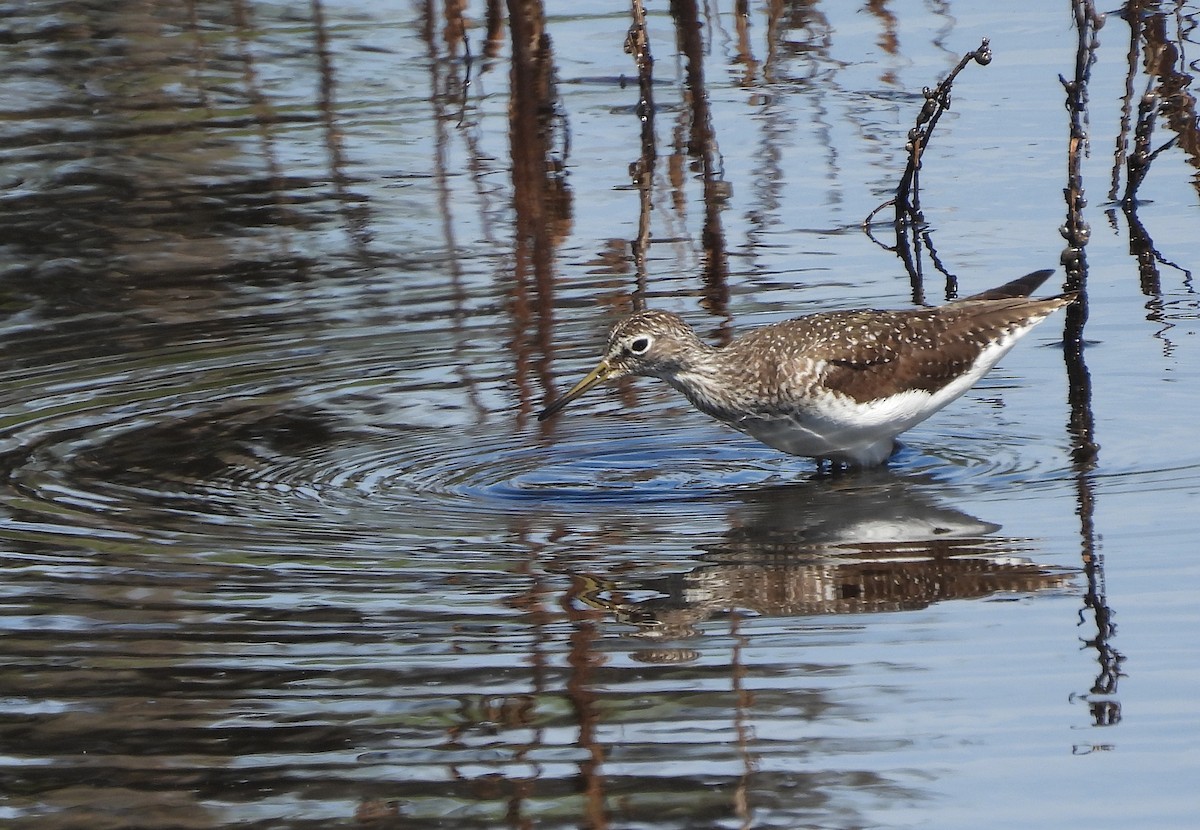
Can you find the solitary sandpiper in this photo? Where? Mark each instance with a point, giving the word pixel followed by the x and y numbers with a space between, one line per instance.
pixel 838 386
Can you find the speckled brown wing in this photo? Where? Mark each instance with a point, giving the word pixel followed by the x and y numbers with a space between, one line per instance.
pixel 921 349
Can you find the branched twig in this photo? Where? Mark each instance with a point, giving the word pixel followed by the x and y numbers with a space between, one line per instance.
pixel 937 101
pixel 907 201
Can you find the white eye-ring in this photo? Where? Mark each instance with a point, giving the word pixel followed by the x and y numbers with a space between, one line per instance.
pixel 641 344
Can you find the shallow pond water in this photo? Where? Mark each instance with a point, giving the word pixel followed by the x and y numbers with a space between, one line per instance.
pixel 283 545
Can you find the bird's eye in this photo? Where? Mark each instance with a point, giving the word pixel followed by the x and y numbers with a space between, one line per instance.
pixel 640 345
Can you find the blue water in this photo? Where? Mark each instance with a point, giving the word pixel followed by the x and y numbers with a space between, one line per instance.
pixel 283 545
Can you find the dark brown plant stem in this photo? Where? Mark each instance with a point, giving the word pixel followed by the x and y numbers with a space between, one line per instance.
pixel 907 203
pixel 637 43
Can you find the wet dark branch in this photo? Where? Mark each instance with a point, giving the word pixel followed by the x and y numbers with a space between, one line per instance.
pixel 1076 231
pixel 642 171
pixel 907 202
pixel 1081 423
pixel 912 246
pixel 637 43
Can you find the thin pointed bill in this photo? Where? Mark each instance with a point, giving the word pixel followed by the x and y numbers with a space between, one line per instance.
pixel 601 373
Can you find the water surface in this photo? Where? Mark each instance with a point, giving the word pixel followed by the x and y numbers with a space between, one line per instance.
pixel 282 544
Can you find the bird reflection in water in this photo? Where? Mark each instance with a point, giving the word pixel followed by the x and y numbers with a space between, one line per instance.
pixel 877 544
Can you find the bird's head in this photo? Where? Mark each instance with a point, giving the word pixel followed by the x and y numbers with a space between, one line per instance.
pixel 648 343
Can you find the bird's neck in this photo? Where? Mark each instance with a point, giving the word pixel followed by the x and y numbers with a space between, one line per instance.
pixel 703 380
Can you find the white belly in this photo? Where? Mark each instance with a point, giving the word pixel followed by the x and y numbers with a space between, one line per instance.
pixel 839 428
pixel 842 430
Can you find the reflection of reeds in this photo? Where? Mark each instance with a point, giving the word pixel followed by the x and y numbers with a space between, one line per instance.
pixel 264 116
pixel 680 602
pixel 1159 56
pixel 541 198
pixel 702 146
pixel 445 83
pixel 354 210
pixel 1081 425
pixel 1165 95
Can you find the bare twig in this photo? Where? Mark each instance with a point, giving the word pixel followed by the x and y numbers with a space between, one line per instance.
pixel 638 44
pixel 937 101
pixel 906 204
pixel 1105 710
pixel 1076 231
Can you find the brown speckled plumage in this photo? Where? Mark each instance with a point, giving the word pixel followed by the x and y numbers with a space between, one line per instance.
pixel 839 385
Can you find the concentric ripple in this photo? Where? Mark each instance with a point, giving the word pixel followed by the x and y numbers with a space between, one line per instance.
pixel 202 440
